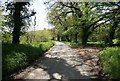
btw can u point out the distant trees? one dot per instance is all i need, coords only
(37, 36)
(112, 14)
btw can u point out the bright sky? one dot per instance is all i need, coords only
(41, 19)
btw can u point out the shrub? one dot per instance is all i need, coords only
(45, 45)
(116, 41)
(15, 60)
(16, 57)
(110, 60)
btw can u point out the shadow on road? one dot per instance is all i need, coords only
(61, 67)
(60, 63)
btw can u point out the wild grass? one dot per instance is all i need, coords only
(91, 44)
(73, 44)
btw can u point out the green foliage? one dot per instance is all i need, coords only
(36, 36)
(116, 41)
(95, 43)
(91, 44)
(117, 34)
(15, 60)
(46, 45)
(72, 44)
(43, 35)
(110, 60)
(16, 57)
(6, 37)
(15, 21)
(84, 21)
(100, 33)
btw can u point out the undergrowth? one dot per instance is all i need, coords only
(15, 57)
(110, 60)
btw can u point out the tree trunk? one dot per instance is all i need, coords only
(62, 38)
(84, 40)
(17, 23)
(84, 37)
(16, 35)
(76, 35)
(71, 38)
(58, 38)
(67, 37)
(111, 34)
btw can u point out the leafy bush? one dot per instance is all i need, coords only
(46, 45)
(15, 60)
(42, 45)
(116, 41)
(16, 57)
(6, 37)
(110, 60)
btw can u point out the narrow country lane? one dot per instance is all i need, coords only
(61, 62)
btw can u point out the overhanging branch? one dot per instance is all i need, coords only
(69, 6)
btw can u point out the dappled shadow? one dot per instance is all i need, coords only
(60, 66)
(90, 57)
(61, 63)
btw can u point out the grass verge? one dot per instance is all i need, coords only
(89, 44)
(16, 57)
(72, 44)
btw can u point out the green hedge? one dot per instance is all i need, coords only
(110, 60)
(16, 57)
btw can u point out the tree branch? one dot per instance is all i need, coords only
(95, 22)
(69, 6)
(32, 14)
(113, 3)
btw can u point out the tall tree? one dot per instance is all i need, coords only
(18, 13)
(87, 17)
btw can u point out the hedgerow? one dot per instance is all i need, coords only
(110, 60)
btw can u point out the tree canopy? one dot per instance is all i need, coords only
(82, 18)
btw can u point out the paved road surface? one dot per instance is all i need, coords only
(62, 63)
